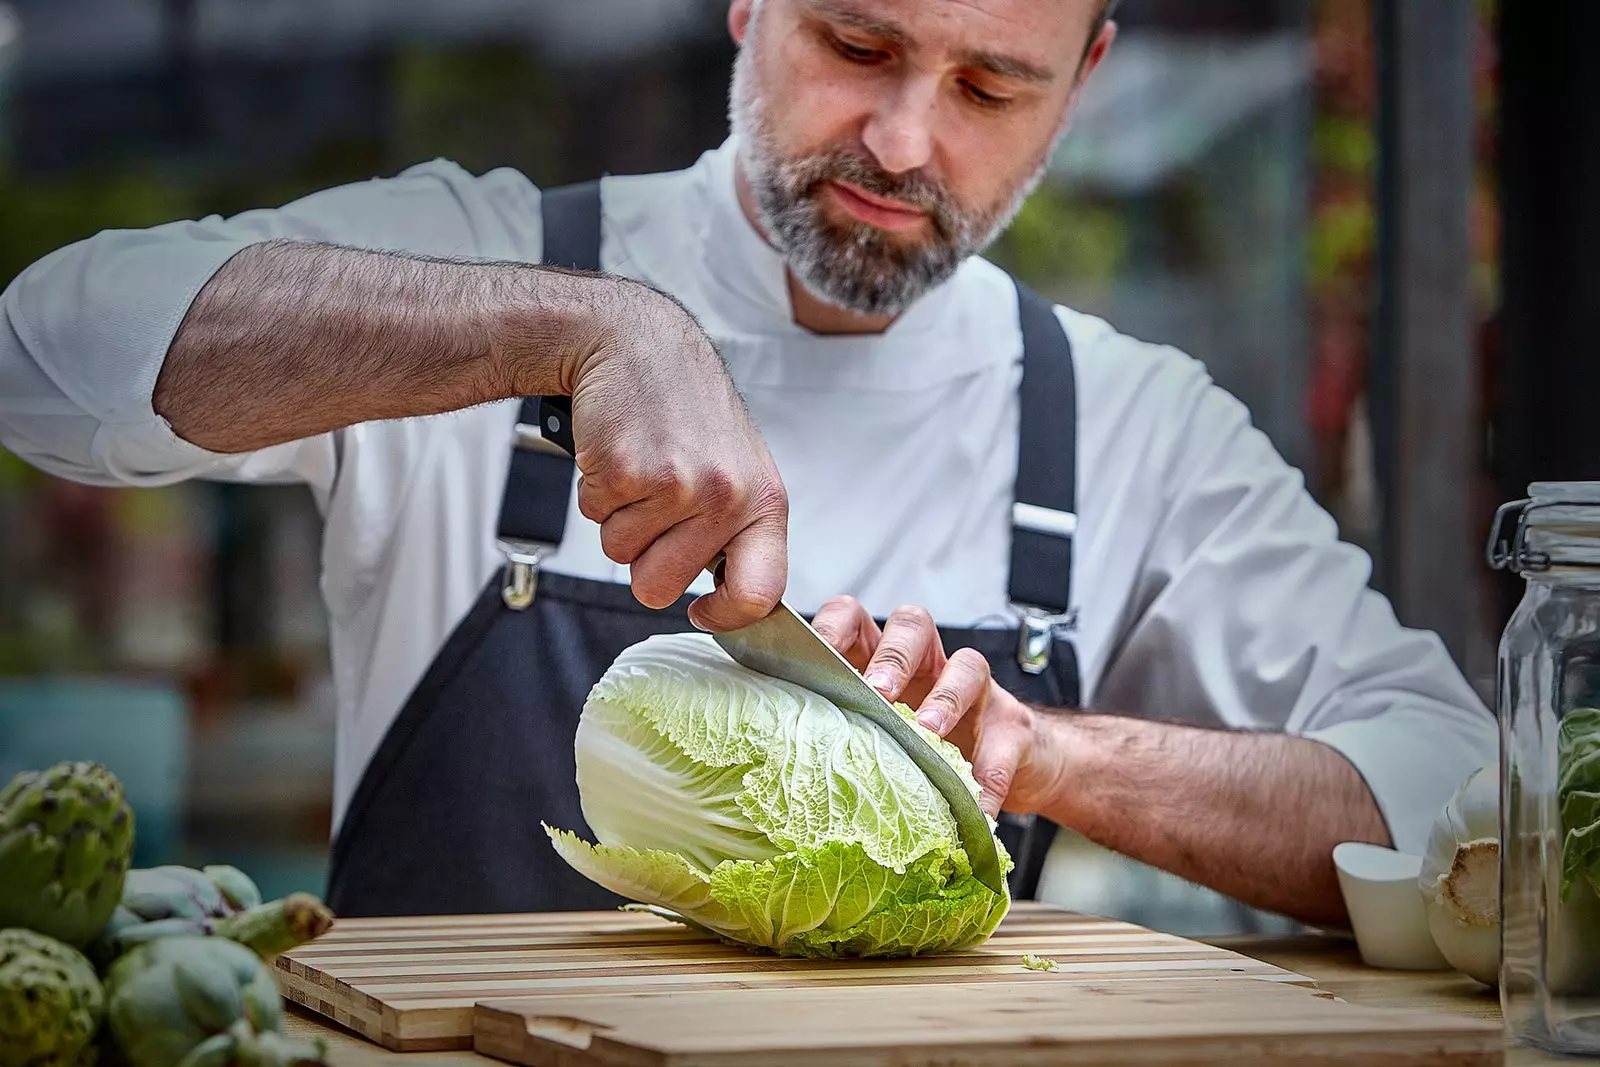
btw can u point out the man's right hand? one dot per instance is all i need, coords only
(673, 468)
(291, 339)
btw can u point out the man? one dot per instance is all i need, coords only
(1046, 515)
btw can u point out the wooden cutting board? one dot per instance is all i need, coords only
(1211, 1022)
(411, 983)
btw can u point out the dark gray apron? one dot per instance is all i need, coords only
(446, 816)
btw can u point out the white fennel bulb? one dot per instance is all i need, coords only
(1460, 878)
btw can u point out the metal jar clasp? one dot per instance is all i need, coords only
(1509, 551)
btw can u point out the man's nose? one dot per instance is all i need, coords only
(899, 132)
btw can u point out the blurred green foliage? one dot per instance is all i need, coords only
(1344, 145)
(1340, 241)
(1061, 237)
(477, 106)
(39, 215)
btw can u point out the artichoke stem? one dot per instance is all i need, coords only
(277, 926)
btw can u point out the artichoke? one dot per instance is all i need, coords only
(66, 841)
(173, 892)
(51, 1002)
(237, 888)
(266, 929)
(155, 894)
(200, 1002)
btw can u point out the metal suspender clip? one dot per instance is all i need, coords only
(1036, 633)
(1037, 625)
(524, 556)
(522, 571)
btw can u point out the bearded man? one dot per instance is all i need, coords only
(1066, 548)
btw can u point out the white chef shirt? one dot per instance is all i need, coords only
(1209, 586)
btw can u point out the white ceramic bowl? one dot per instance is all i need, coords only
(1385, 905)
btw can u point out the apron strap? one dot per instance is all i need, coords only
(533, 509)
(1043, 522)
(1044, 510)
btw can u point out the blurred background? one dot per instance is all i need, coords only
(1305, 194)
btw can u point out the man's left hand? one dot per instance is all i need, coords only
(954, 696)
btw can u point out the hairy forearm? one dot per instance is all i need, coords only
(291, 339)
(1253, 816)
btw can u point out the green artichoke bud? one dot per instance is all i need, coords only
(173, 892)
(66, 841)
(237, 888)
(51, 1002)
(184, 1001)
(266, 929)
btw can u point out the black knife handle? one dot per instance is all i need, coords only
(555, 421)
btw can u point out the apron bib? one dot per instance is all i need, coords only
(446, 818)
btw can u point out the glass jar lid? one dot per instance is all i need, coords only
(1557, 525)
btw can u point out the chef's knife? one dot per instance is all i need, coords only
(783, 645)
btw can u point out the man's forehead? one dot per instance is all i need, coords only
(1029, 35)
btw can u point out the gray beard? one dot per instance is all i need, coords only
(854, 266)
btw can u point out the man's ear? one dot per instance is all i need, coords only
(1098, 50)
(739, 19)
(1091, 60)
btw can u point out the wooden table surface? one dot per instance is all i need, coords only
(1333, 963)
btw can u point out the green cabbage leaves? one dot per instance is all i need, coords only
(762, 812)
(1578, 792)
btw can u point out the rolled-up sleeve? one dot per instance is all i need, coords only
(1250, 611)
(85, 329)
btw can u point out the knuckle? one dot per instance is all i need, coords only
(624, 469)
(651, 593)
(943, 696)
(839, 607)
(663, 478)
(1013, 711)
(769, 498)
(894, 656)
(912, 615)
(619, 544)
(749, 601)
(996, 780)
(716, 489)
(971, 663)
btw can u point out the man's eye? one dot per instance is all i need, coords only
(855, 52)
(984, 99)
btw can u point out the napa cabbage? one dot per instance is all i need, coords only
(759, 811)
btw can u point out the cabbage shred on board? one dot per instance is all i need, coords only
(762, 812)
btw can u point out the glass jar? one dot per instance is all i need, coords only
(1549, 711)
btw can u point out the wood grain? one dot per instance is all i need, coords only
(1332, 961)
(1204, 1023)
(411, 983)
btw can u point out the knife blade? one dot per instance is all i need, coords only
(783, 645)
